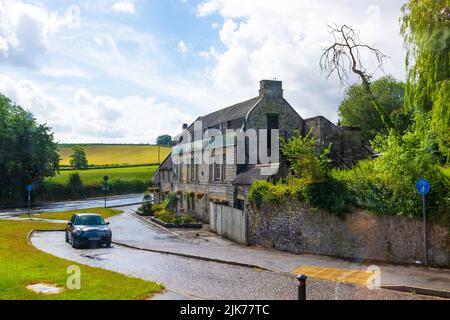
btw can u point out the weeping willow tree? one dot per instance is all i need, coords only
(426, 31)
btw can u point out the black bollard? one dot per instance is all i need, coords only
(302, 287)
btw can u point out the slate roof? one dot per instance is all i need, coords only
(233, 112)
(167, 163)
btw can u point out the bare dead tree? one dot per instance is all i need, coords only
(344, 57)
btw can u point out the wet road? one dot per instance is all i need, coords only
(198, 279)
(113, 201)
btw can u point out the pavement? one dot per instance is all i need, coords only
(136, 231)
(112, 201)
(196, 265)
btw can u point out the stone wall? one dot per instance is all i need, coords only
(295, 227)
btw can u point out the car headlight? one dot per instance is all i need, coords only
(78, 232)
(108, 232)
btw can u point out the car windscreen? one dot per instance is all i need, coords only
(89, 221)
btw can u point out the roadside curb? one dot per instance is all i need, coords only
(419, 290)
(30, 234)
(126, 205)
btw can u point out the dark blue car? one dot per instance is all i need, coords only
(88, 229)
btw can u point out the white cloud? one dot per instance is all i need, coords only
(24, 31)
(211, 53)
(284, 40)
(208, 7)
(124, 7)
(85, 117)
(182, 47)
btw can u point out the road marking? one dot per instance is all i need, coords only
(356, 276)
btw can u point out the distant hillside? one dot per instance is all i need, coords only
(107, 154)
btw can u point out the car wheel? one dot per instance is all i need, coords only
(75, 245)
(108, 244)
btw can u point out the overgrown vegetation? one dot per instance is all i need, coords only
(385, 185)
(310, 180)
(415, 146)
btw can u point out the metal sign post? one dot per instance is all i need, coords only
(29, 189)
(105, 187)
(423, 187)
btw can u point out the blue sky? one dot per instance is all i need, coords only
(126, 71)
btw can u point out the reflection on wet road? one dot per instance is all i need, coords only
(114, 201)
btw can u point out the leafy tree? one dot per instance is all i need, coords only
(78, 159)
(357, 110)
(164, 140)
(76, 186)
(426, 31)
(28, 152)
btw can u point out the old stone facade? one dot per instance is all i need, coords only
(293, 226)
(224, 180)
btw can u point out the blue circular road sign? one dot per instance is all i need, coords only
(29, 188)
(423, 186)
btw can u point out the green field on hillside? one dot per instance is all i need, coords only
(101, 155)
(95, 176)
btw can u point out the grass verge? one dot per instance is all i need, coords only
(22, 264)
(66, 215)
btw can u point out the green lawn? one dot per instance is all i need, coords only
(95, 176)
(100, 155)
(22, 264)
(66, 215)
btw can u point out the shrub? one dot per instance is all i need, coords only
(171, 200)
(304, 162)
(168, 216)
(330, 195)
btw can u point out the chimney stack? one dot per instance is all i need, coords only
(271, 88)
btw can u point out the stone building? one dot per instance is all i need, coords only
(225, 180)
